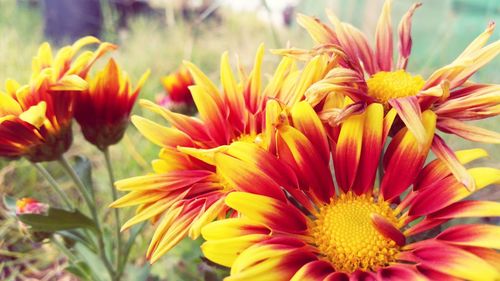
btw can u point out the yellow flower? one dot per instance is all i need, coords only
(370, 75)
(186, 190)
(294, 223)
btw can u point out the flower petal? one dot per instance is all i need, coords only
(384, 44)
(306, 121)
(478, 235)
(468, 132)
(243, 177)
(159, 134)
(405, 157)
(455, 262)
(405, 42)
(275, 214)
(445, 153)
(313, 271)
(467, 209)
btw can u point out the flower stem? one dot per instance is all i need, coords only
(119, 246)
(41, 169)
(90, 201)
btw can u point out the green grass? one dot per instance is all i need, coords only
(440, 33)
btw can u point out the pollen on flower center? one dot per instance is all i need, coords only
(384, 86)
(343, 232)
(250, 138)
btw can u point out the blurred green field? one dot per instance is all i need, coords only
(441, 29)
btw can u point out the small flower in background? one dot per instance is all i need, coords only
(103, 110)
(178, 96)
(35, 119)
(30, 206)
(186, 190)
(370, 75)
(358, 230)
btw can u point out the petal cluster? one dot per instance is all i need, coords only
(103, 109)
(35, 119)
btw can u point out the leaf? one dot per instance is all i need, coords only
(76, 236)
(83, 169)
(93, 261)
(80, 269)
(57, 219)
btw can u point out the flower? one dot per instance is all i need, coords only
(370, 75)
(103, 110)
(35, 119)
(177, 85)
(30, 206)
(186, 191)
(357, 231)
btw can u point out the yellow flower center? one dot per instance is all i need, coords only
(344, 233)
(384, 86)
(250, 138)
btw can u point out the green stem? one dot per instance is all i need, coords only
(117, 213)
(54, 185)
(133, 235)
(90, 201)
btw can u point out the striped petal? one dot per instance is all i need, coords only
(275, 259)
(159, 134)
(189, 125)
(443, 152)
(348, 151)
(467, 209)
(383, 35)
(234, 99)
(252, 93)
(212, 115)
(400, 273)
(372, 147)
(269, 211)
(313, 271)
(437, 170)
(314, 174)
(261, 160)
(468, 132)
(408, 110)
(405, 42)
(455, 262)
(232, 227)
(243, 177)
(448, 191)
(405, 157)
(477, 235)
(225, 251)
(318, 31)
(387, 229)
(306, 121)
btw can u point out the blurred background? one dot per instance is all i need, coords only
(158, 35)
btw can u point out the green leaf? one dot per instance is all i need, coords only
(97, 268)
(57, 219)
(80, 269)
(83, 169)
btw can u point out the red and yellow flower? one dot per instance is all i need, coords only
(30, 206)
(35, 119)
(186, 190)
(103, 110)
(177, 85)
(359, 230)
(369, 74)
